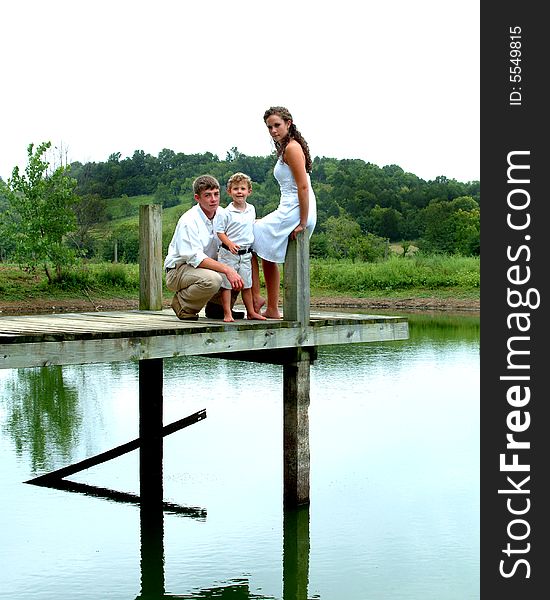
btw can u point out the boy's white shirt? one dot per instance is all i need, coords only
(238, 225)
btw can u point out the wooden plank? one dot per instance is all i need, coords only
(117, 321)
(272, 357)
(47, 479)
(202, 340)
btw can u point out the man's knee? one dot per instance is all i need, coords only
(213, 281)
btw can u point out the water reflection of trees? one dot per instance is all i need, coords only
(43, 417)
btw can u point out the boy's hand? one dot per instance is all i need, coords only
(232, 247)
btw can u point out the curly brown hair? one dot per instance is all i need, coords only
(293, 134)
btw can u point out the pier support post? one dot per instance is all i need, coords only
(296, 383)
(150, 428)
(150, 257)
(150, 473)
(296, 378)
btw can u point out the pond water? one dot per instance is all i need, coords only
(394, 435)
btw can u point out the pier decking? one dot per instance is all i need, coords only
(93, 337)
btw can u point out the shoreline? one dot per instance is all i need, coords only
(35, 306)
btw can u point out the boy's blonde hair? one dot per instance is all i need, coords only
(238, 178)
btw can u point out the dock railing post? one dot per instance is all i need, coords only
(296, 280)
(296, 376)
(150, 257)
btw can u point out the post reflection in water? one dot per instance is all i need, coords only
(296, 553)
(296, 546)
(151, 518)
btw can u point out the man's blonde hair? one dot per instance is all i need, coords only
(238, 178)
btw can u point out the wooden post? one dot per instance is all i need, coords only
(296, 383)
(296, 280)
(150, 477)
(150, 257)
(150, 428)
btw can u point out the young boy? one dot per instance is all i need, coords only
(235, 230)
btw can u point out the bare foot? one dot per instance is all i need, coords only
(272, 314)
(258, 303)
(255, 315)
(228, 318)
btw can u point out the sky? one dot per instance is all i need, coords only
(385, 81)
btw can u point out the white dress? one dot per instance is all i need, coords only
(272, 231)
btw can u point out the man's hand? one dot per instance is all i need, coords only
(236, 281)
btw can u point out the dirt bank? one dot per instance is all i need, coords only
(401, 304)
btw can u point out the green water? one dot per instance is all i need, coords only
(394, 434)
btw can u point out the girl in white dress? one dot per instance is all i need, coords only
(296, 211)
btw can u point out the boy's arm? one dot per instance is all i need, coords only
(225, 240)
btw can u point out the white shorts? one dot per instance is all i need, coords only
(240, 262)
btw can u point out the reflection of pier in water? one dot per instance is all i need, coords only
(149, 336)
(295, 552)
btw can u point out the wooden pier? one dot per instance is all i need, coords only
(150, 335)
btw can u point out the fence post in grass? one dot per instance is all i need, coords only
(150, 257)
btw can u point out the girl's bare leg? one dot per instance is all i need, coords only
(257, 299)
(248, 302)
(272, 283)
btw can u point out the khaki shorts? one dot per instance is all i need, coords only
(240, 262)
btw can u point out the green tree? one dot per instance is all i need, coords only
(340, 232)
(466, 228)
(451, 227)
(385, 222)
(90, 210)
(344, 239)
(40, 216)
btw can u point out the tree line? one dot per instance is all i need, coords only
(361, 206)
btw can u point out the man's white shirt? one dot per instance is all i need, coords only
(194, 238)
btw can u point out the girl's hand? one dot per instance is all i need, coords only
(297, 230)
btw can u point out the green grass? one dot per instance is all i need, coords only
(417, 276)
(105, 279)
(398, 277)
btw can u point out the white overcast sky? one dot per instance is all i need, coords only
(387, 81)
